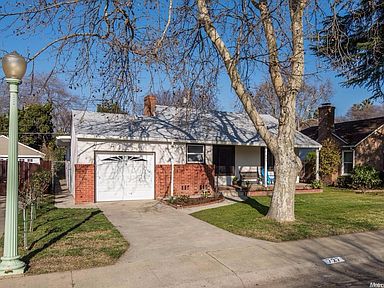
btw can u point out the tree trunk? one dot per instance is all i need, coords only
(31, 216)
(282, 147)
(287, 164)
(25, 228)
(282, 207)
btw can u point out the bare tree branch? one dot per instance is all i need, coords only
(163, 34)
(270, 35)
(234, 74)
(33, 10)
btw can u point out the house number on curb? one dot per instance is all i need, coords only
(333, 260)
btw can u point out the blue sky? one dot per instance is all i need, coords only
(343, 98)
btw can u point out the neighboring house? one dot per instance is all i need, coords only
(361, 142)
(26, 153)
(167, 151)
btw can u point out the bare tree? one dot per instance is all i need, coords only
(101, 43)
(41, 88)
(286, 87)
(364, 110)
(190, 43)
(187, 98)
(308, 99)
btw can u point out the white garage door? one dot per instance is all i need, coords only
(128, 176)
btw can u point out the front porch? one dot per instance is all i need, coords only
(251, 164)
(261, 190)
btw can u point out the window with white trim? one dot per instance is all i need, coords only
(347, 162)
(195, 153)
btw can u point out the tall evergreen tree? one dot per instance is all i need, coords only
(35, 125)
(36, 119)
(353, 42)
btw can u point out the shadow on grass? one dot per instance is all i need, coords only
(44, 210)
(262, 209)
(26, 258)
(45, 206)
(51, 220)
(41, 238)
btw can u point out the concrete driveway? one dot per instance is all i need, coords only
(156, 231)
(172, 249)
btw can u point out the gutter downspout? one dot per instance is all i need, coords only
(172, 173)
(265, 167)
(172, 169)
(317, 164)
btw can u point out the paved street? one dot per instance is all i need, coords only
(172, 249)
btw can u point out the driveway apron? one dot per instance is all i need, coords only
(155, 231)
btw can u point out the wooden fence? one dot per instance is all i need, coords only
(26, 169)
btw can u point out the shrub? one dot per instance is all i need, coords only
(172, 199)
(180, 199)
(183, 198)
(309, 167)
(365, 177)
(316, 184)
(310, 157)
(41, 179)
(31, 193)
(344, 181)
(206, 193)
(330, 158)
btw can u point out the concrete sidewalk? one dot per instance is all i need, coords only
(172, 249)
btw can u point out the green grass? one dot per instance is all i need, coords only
(333, 212)
(70, 239)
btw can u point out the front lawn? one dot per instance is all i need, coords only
(333, 212)
(70, 239)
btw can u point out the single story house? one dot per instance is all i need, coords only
(361, 142)
(166, 151)
(26, 153)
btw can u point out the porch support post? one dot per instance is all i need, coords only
(317, 164)
(265, 166)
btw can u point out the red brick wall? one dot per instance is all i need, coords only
(84, 183)
(371, 150)
(326, 122)
(188, 179)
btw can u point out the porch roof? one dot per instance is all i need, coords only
(179, 125)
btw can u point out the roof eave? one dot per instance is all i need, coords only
(63, 140)
(156, 140)
(28, 147)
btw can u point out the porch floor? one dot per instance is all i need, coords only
(261, 190)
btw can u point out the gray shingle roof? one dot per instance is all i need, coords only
(351, 132)
(178, 124)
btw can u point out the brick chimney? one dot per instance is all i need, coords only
(326, 121)
(149, 105)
